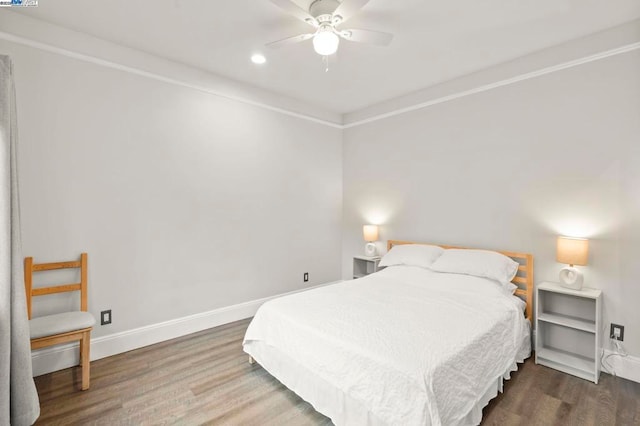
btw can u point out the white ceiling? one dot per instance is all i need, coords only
(435, 40)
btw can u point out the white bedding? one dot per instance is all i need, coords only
(407, 345)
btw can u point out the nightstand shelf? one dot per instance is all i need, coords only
(364, 265)
(568, 330)
(567, 362)
(569, 321)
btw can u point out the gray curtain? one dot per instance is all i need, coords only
(19, 403)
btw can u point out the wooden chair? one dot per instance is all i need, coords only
(65, 327)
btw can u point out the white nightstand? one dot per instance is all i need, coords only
(364, 265)
(569, 329)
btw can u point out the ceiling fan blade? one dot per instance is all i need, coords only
(295, 10)
(289, 40)
(367, 36)
(347, 9)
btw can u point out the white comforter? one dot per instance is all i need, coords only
(415, 347)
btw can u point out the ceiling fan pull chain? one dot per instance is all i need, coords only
(325, 59)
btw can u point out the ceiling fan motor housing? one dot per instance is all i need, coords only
(321, 8)
(325, 16)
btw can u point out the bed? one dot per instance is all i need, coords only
(406, 345)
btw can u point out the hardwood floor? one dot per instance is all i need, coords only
(204, 378)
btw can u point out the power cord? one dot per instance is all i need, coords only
(619, 351)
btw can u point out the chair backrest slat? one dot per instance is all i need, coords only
(41, 291)
(56, 265)
(30, 268)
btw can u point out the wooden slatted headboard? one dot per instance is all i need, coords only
(523, 279)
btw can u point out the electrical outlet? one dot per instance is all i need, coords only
(305, 277)
(105, 317)
(617, 332)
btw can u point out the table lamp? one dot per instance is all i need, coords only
(572, 251)
(370, 233)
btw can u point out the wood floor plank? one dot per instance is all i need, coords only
(627, 407)
(500, 417)
(205, 378)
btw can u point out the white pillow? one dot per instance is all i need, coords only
(412, 254)
(480, 263)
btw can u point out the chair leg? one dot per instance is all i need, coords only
(81, 346)
(85, 363)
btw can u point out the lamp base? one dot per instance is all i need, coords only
(370, 250)
(571, 277)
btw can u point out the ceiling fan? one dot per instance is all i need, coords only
(325, 16)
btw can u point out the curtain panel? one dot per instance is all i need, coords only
(19, 404)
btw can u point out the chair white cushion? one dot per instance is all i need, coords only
(60, 323)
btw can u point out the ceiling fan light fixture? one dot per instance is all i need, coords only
(326, 42)
(325, 16)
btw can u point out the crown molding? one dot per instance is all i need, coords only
(137, 71)
(506, 82)
(158, 77)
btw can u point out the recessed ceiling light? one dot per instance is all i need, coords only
(258, 59)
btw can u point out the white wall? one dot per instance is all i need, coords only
(185, 201)
(188, 202)
(511, 168)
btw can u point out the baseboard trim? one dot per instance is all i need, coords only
(64, 356)
(627, 367)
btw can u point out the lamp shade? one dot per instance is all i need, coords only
(370, 232)
(572, 251)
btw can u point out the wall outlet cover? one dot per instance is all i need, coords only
(105, 317)
(617, 332)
